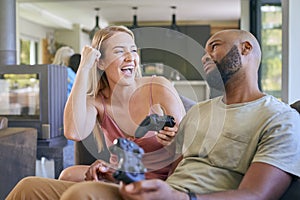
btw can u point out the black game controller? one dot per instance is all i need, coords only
(131, 168)
(154, 122)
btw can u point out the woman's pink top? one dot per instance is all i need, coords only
(156, 159)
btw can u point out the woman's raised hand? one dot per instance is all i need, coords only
(89, 56)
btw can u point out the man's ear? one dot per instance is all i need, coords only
(246, 48)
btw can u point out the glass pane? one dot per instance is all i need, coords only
(271, 49)
(25, 52)
(28, 52)
(19, 95)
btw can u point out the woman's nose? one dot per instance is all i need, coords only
(129, 56)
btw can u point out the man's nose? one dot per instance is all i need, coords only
(205, 58)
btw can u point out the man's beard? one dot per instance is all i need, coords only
(214, 80)
(225, 69)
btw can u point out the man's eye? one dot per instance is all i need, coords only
(214, 46)
(134, 50)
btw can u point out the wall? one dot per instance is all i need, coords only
(214, 25)
(245, 15)
(74, 38)
(172, 49)
(290, 52)
(32, 31)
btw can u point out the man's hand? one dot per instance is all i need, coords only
(100, 171)
(150, 189)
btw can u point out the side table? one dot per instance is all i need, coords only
(52, 149)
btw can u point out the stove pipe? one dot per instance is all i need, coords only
(8, 32)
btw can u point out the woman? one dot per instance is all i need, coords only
(62, 57)
(110, 91)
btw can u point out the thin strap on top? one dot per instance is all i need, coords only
(103, 103)
(151, 98)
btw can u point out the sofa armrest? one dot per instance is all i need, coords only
(18, 156)
(293, 191)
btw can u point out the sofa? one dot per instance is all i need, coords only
(87, 156)
(293, 191)
(17, 155)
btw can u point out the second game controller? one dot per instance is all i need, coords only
(154, 122)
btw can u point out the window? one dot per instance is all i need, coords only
(265, 24)
(271, 44)
(28, 52)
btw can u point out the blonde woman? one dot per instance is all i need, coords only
(110, 91)
(62, 57)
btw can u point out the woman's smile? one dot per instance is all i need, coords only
(127, 70)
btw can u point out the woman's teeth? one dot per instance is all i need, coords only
(127, 70)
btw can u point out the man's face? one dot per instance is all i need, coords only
(230, 64)
(219, 63)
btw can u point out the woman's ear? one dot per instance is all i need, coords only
(246, 48)
(101, 64)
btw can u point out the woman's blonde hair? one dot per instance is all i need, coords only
(98, 80)
(62, 56)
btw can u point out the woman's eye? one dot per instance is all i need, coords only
(134, 50)
(119, 51)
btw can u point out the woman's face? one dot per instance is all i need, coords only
(120, 58)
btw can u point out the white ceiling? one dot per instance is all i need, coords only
(64, 13)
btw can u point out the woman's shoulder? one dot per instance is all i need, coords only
(95, 101)
(155, 80)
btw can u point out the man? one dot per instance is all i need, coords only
(242, 145)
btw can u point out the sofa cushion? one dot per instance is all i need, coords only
(187, 103)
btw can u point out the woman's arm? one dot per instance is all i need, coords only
(80, 112)
(165, 95)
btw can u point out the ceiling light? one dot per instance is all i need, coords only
(134, 22)
(174, 25)
(96, 28)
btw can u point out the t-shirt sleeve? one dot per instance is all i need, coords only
(280, 143)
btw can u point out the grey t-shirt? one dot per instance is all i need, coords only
(219, 142)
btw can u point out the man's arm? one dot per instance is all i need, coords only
(262, 181)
